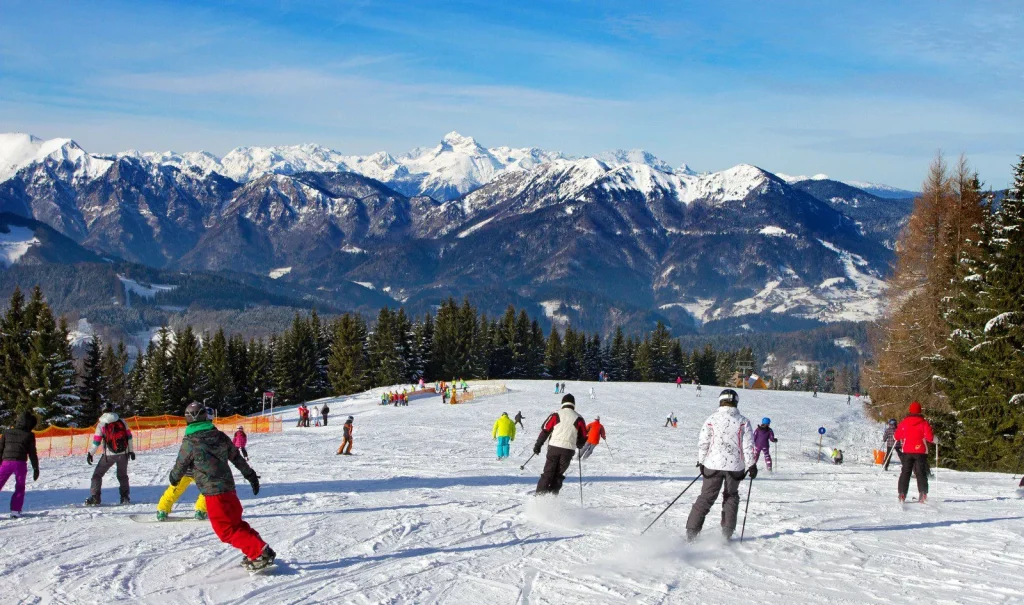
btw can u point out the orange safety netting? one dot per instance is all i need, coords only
(148, 433)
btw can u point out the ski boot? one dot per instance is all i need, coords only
(92, 501)
(201, 515)
(903, 498)
(265, 560)
(161, 515)
(922, 498)
(125, 499)
(15, 514)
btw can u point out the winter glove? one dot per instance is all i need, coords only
(536, 450)
(131, 456)
(701, 467)
(35, 474)
(775, 440)
(254, 481)
(752, 471)
(88, 458)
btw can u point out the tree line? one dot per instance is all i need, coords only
(953, 335)
(315, 358)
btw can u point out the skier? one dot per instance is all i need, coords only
(240, 440)
(592, 395)
(675, 421)
(668, 420)
(914, 433)
(815, 392)
(519, 418)
(563, 387)
(206, 452)
(837, 456)
(346, 441)
(17, 449)
(173, 493)
(889, 443)
(116, 438)
(324, 411)
(763, 435)
(699, 393)
(725, 453)
(504, 432)
(557, 387)
(567, 432)
(595, 433)
(679, 382)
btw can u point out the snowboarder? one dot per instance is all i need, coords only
(595, 433)
(173, 493)
(17, 449)
(914, 433)
(504, 432)
(567, 432)
(725, 454)
(346, 441)
(239, 441)
(519, 419)
(324, 411)
(763, 436)
(889, 443)
(206, 452)
(116, 438)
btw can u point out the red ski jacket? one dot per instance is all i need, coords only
(915, 433)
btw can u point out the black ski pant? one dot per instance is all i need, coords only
(102, 466)
(712, 485)
(914, 464)
(325, 419)
(557, 463)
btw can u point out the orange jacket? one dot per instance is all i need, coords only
(595, 432)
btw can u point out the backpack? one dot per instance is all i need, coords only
(115, 437)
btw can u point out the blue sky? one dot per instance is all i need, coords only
(858, 90)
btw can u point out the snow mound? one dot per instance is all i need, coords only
(15, 243)
(279, 273)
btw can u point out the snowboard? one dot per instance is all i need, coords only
(151, 518)
(269, 569)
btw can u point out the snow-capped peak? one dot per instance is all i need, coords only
(789, 178)
(620, 157)
(18, 150)
(455, 140)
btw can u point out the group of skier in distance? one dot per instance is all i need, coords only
(206, 455)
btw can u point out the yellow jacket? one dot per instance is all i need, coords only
(504, 427)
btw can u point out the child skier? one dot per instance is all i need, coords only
(504, 432)
(206, 452)
(889, 443)
(239, 441)
(763, 437)
(346, 441)
(17, 448)
(116, 438)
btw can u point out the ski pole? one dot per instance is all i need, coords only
(523, 467)
(670, 504)
(745, 509)
(579, 462)
(609, 449)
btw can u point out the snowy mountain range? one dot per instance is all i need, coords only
(589, 240)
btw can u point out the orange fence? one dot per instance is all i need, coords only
(148, 433)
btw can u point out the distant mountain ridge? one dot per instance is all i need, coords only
(596, 241)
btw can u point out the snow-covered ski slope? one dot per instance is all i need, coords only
(424, 513)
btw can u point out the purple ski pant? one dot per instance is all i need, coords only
(767, 455)
(19, 469)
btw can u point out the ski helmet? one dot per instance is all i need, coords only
(108, 408)
(196, 412)
(729, 397)
(892, 422)
(569, 401)
(766, 421)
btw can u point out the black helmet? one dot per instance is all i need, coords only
(892, 421)
(569, 401)
(729, 397)
(196, 412)
(107, 408)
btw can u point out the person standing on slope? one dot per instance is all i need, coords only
(116, 438)
(595, 433)
(504, 432)
(889, 442)
(519, 419)
(17, 449)
(725, 454)
(679, 382)
(567, 432)
(763, 437)
(205, 452)
(239, 441)
(346, 440)
(668, 420)
(914, 433)
(324, 411)
(592, 394)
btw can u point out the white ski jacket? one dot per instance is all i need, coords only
(726, 441)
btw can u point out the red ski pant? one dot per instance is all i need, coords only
(225, 513)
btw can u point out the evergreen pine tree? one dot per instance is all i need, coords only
(95, 390)
(554, 359)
